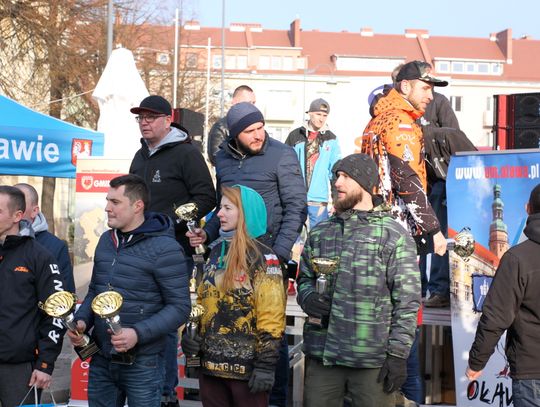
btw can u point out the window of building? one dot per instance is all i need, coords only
(496, 68)
(300, 63)
(470, 67)
(216, 61)
(288, 64)
(275, 62)
(241, 62)
(191, 60)
(264, 62)
(442, 66)
(483, 68)
(457, 67)
(456, 102)
(230, 62)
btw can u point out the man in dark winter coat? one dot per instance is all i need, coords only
(57, 247)
(173, 168)
(512, 305)
(176, 173)
(139, 259)
(30, 341)
(253, 159)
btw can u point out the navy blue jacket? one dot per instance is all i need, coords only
(148, 268)
(59, 250)
(275, 174)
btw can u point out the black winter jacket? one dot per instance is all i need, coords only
(176, 174)
(148, 268)
(513, 304)
(217, 135)
(275, 174)
(28, 274)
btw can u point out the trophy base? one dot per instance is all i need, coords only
(122, 358)
(318, 322)
(193, 361)
(84, 352)
(198, 258)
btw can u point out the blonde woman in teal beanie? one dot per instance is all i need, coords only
(244, 300)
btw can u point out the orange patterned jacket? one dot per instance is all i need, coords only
(395, 142)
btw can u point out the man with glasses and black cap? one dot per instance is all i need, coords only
(395, 141)
(176, 173)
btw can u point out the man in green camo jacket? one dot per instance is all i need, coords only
(370, 306)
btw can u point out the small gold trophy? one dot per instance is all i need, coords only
(188, 213)
(463, 244)
(60, 305)
(192, 328)
(323, 267)
(107, 305)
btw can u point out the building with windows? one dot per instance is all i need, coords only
(289, 68)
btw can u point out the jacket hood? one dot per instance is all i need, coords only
(25, 229)
(254, 211)
(155, 223)
(394, 101)
(532, 230)
(40, 223)
(174, 136)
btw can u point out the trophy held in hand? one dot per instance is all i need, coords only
(188, 213)
(107, 305)
(324, 267)
(192, 328)
(462, 244)
(61, 305)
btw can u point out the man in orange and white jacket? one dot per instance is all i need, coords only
(396, 144)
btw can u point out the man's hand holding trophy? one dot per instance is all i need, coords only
(318, 304)
(61, 305)
(107, 305)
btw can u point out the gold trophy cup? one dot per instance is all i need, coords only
(188, 213)
(107, 305)
(192, 328)
(61, 305)
(462, 244)
(323, 267)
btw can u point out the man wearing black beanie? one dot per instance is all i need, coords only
(368, 314)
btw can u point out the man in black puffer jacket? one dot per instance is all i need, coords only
(512, 305)
(140, 259)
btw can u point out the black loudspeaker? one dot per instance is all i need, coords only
(192, 121)
(527, 138)
(526, 110)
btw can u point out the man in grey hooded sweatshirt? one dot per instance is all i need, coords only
(176, 173)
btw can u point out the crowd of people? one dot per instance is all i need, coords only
(369, 216)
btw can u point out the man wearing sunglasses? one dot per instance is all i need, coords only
(176, 173)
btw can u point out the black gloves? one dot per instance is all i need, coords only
(191, 346)
(261, 380)
(393, 373)
(317, 305)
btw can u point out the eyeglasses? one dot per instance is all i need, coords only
(150, 118)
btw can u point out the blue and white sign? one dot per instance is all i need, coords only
(32, 143)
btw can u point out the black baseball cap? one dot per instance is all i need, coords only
(419, 70)
(153, 104)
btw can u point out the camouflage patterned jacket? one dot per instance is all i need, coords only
(375, 291)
